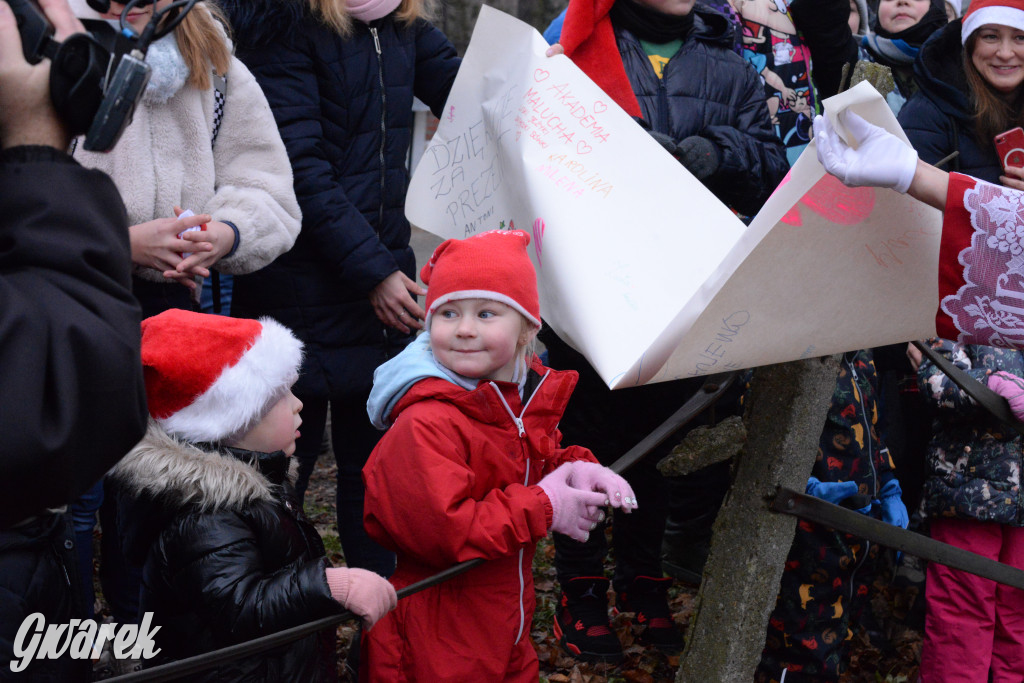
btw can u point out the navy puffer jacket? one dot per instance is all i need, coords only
(707, 89)
(938, 118)
(344, 108)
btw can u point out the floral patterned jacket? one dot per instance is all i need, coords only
(973, 460)
(850, 447)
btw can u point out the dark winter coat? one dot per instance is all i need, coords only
(39, 574)
(454, 479)
(707, 89)
(71, 384)
(974, 461)
(938, 119)
(851, 448)
(344, 108)
(227, 557)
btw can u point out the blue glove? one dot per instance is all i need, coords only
(833, 492)
(893, 510)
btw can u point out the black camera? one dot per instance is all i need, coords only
(96, 78)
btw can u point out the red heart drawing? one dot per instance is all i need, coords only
(540, 75)
(538, 238)
(835, 202)
(838, 203)
(583, 147)
(600, 107)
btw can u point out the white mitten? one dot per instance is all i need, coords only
(880, 160)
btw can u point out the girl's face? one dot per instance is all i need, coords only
(854, 18)
(140, 14)
(679, 8)
(951, 14)
(478, 338)
(999, 56)
(899, 15)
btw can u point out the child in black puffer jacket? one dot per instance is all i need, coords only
(227, 556)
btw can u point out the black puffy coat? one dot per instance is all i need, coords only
(707, 89)
(938, 119)
(344, 108)
(227, 557)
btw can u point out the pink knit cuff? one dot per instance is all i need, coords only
(337, 581)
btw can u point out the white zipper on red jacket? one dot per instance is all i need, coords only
(526, 482)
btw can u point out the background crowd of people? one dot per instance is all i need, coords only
(271, 144)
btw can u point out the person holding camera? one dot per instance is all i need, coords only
(73, 399)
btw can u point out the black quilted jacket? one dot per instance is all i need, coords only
(707, 89)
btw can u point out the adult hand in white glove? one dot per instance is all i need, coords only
(880, 160)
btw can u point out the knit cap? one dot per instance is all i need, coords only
(209, 377)
(492, 265)
(1001, 12)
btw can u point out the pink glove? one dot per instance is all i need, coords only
(369, 595)
(574, 512)
(1010, 387)
(590, 476)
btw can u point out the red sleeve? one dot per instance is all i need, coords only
(420, 499)
(956, 236)
(981, 271)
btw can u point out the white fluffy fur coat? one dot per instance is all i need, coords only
(164, 159)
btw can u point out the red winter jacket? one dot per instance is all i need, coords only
(453, 480)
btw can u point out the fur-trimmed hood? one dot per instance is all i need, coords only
(177, 475)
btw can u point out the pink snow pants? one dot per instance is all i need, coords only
(974, 624)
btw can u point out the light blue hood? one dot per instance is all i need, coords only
(395, 377)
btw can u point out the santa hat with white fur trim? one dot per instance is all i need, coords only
(1001, 12)
(209, 377)
(492, 265)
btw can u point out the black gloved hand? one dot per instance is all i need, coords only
(699, 155)
(666, 141)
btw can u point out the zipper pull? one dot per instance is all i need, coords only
(376, 41)
(519, 426)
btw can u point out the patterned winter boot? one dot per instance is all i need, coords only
(647, 598)
(581, 622)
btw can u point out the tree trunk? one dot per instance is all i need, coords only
(786, 413)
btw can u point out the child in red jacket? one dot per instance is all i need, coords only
(471, 468)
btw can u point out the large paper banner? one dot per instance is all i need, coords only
(640, 267)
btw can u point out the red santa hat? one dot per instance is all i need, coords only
(209, 377)
(492, 265)
(1001, 12)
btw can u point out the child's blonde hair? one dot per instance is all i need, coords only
(334, 14)
(203, 41)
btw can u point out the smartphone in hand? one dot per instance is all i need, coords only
(1010, 147)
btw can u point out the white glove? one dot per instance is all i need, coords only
(880, 160)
